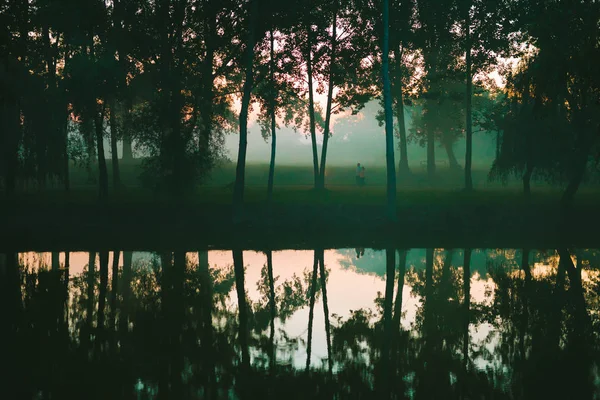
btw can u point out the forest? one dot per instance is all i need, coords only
(173, 77)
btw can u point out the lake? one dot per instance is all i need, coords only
(354, 323)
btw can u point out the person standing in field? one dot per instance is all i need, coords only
(362, 176)
(358, 174)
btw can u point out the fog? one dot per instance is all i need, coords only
(354, 139)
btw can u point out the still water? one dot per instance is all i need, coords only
(331, 324)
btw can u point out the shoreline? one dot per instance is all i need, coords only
(71, 227)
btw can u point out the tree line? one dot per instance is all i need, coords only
(172, 74)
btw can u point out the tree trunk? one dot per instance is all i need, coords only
(67, 268)
(91, 283)
(55, 261)
(238, 262)
(273, 309)
(311, 101)
(119, 18)
(466, 320)
(452, 161)
(525, 298)
(388, 333)
(331, 83)
(325, 309)
(469, 123)
(178, 314)
(113, 144)
(207, 341)
(273, 122)
(240, 172)
(207, 95)
(498, 144)
(311, 309)
(125, 292)
(389, 124)
(430, 154)
(398, 309)
(102, 172)
(102, 299)
(113, 294)
(566, 200)
(403, 168)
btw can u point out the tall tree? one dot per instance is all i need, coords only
(389, 125)
(240, 172)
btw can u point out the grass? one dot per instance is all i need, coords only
(293, 185)
(443, 215)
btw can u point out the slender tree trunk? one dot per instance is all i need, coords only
(469, 123)
(311, 309)
(178, 312)
(127, 102)
(498, 144)
(67, 267)
(389, 124)
(102, 299)
(125, 292)
(113, 144)
(207, 95)
(114, 293)
(525, 296)
(326, 131)
(403, 168)
(55, 261)
(126, 134)
(398, 309)
(91, 283)
(238, 192)
(102, 172)
(388, 333)
(206, 293)
(430, 154)
(466, 321)
(238, 262)
(273, 309)
(311, 100)
(325, 310)
(273, 122)
(165, 329)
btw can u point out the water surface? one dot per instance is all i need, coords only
(342, 323)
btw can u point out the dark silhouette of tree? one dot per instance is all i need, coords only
(238, 192)
(313, 293)
(389, 124)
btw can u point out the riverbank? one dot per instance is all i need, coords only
(299, 218)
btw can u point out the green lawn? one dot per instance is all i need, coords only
(293, 185)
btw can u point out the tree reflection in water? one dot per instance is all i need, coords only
(173, 327)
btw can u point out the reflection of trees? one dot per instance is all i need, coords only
(174, 333)
(544, 347)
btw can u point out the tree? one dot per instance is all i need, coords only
(389, 125)
(238, 192)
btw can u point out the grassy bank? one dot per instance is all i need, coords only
(343, 216)
(302, 175)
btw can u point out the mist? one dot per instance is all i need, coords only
(354, 139)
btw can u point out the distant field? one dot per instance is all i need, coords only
(288, 175)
